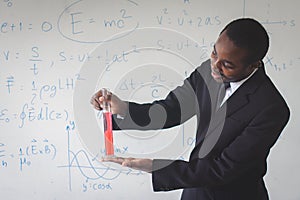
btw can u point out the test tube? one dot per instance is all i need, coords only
(107, 125)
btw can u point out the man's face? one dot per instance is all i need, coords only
(227, 61)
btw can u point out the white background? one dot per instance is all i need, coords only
(55, 54)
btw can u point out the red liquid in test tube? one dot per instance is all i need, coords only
(108, 134)
(107, 125)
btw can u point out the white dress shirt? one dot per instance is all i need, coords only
(234, 86)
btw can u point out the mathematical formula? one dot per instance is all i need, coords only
(24, 155)
(41, 59)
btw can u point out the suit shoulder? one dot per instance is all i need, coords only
(273, 96)
(201, 72)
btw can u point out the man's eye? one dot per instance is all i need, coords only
(228, 66)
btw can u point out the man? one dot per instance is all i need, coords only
(234, 135)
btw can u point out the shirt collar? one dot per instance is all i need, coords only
(235, 85)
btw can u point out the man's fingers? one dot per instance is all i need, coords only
(118, 160)
(134, 163)
(96, 101)
(126, 162)
(129, 162)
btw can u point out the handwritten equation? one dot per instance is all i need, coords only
(41, 61)
(25, 154)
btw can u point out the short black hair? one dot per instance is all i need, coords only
(250, 35)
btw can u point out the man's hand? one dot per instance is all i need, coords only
(117, 105)
(142, 164)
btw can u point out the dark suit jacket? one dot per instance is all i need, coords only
(232, 143)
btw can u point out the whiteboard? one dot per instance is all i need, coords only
(55, 54)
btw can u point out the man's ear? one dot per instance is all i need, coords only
(256, 65)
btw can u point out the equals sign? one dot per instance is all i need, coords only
(30, 27)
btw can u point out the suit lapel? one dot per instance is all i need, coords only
(241, 97)
(237, 101)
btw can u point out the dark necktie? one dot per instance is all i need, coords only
(221, 93)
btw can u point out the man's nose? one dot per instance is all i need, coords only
(217, 65)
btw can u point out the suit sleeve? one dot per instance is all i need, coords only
(245, 152)
(176, 108)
